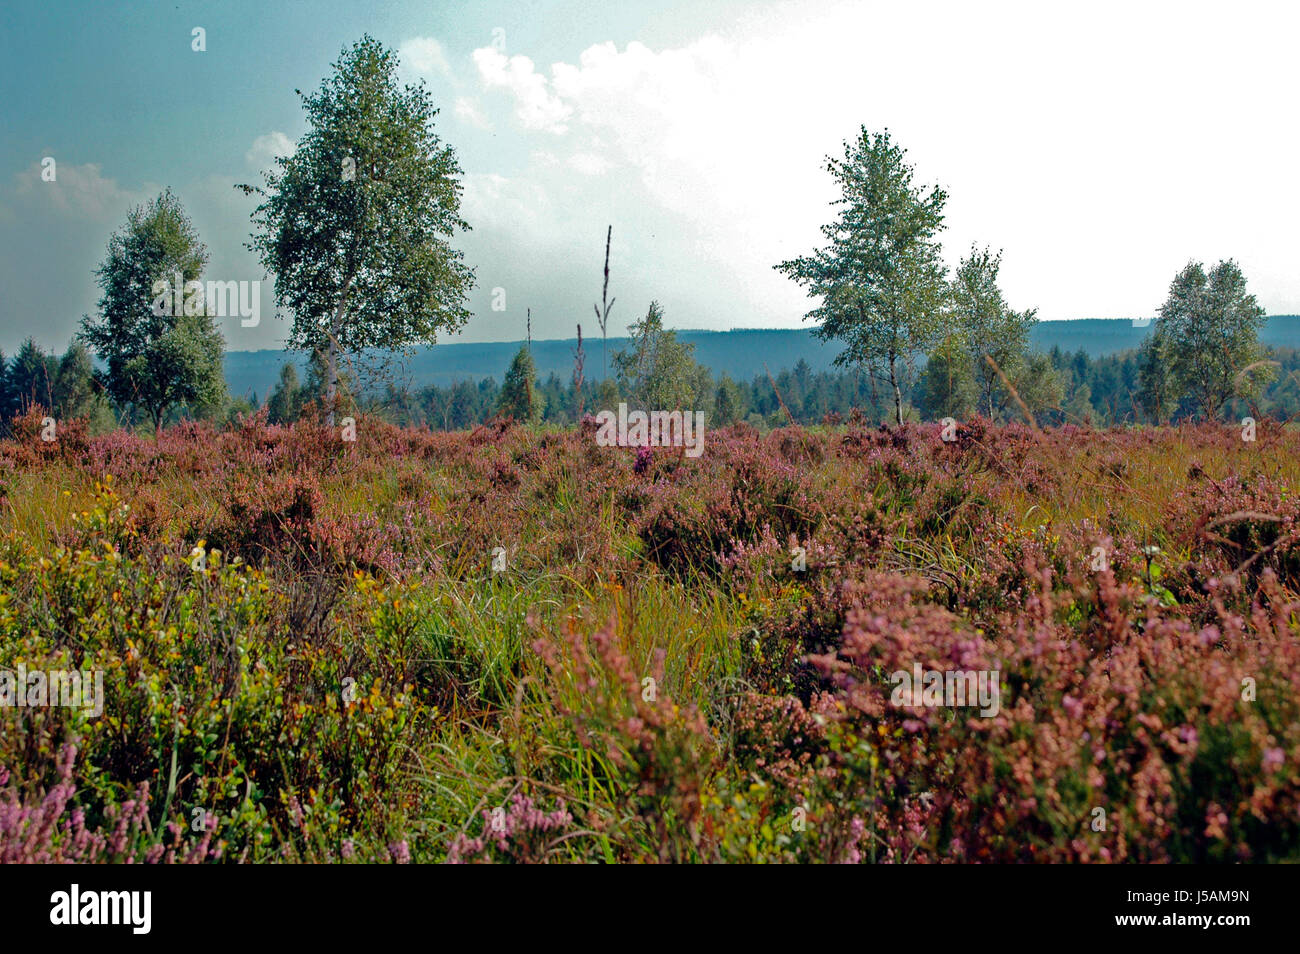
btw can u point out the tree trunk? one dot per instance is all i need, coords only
(331, 380)
(898, 394)
(332, 364)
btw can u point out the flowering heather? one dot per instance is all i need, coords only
(524, 833)
(53, 831)
(516, 645)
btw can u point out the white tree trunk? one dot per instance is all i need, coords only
(898, 394)
(332, 364)
(332, 380)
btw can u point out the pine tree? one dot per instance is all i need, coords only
(946, 387)
(6, 396)
(285, 403)
(519, 397)
(31, 377)
(74, 384)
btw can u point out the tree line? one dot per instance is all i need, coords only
(1101, 392)
(885, 295)
(357, 228)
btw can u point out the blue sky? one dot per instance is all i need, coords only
(1100, 151)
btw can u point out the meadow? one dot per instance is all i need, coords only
(513, 644)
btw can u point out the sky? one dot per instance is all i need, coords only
(1100, 147)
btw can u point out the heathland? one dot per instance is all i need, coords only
(514, 644)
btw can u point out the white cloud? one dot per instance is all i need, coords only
(424, 56)
(1066, 143)
(536, 106)
(77, 190)
(268, 147)
(696, 126)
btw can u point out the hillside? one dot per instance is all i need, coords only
(740, 353)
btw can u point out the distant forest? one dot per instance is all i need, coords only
(740, 353)
(1102, 391)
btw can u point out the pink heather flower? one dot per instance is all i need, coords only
(52, 831)
(521, 833)
(643, 458)
(852, 853)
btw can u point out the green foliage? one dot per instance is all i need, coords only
(30, 378)
(657, 371)
(607, 395)
(1105, 389)
(1039, 385)
(1078, 409)
(238, 407)
(728, 402)
(946, 387)
(285, 401)
(356, 224)
(211, 696)
(880, 278)
(1157, 392)
(76, 392)
(316, 387)
(1206, 340)
(155, 359)
(519, 397)
(991, 329)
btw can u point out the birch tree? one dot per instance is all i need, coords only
(357, 224)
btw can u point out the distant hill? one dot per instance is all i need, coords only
(740, 353)
(1103, 336)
